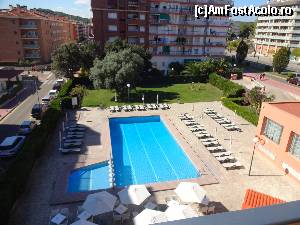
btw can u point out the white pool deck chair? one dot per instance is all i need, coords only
(224, 159)
(220, 154)
(231, 166)
(69, 150)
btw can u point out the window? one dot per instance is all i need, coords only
(142, 28)
(133, 28)
(112, 27)
(142, 16)
(142, 40)
(294, 148)
(273, 131)
(112, 15)
(112, 39)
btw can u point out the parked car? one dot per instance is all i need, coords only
(53, 93)
(47, 99)
(294, 80)
(38, 111)
(11, 145)
(27, 126)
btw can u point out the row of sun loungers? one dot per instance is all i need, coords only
(225, 122)
(211, 143)
(72, 139)
(129, 108)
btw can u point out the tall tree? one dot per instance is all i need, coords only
(116, 70)
(241, 51)
(281, 59)
(247, 29)
(66, 60)
(89, 51)
(115, 46)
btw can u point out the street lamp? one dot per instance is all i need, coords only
(128, 86)
(255, 140)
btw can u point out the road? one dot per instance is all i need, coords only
(10, 124)
(268, 61)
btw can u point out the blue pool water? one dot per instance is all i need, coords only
(89, 178)
(144, 151)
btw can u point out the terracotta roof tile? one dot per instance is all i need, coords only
(254, 199)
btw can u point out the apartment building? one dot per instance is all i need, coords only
(278, 134)
(30, 35)
(168, 28)
(274, 32)
(83, 31)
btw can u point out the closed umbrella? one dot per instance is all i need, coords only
(149, 216)
(99, 203)
(83, 222)
(191, 192)
(178, 212)
(134, 194)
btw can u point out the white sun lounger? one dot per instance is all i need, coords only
(231, 166)
(209, 143)
(203, 136)
(75, 133)
(76, 129)
(73, 137)
(68, 150)
(220, 154)
(154, 106)
(161, 106)
(71, 144)
(142, 107)
(149, 106)
(70, 140)
(208, 139)
(216, 149)
(167, 106)
(194, 130)
(129, 107)
(112, 109)
(201, 133)
(224, 159)
(118, 109)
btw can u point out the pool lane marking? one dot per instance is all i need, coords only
(153, 170)
(127, 150)
(163, 152)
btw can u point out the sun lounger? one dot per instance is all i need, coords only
(75, 133)
(208, 139)
(203, 136)
(190, 123)
(142, 107)
(154, 106)
(68, 150)
(167, 106)
(216, 149)
(112, 109)
(76, 129)
(161, 106)
(209, 143)
(129, 107)
(231, 166)
(118, 109)
(220, 154)
(73, 137)
(149, 106)
(194, 130)
(224, 159)
(73, 140)
(201, 132)
(72, 144)
(74, 126)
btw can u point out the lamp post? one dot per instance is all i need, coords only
(255, 140)
(143, 99)
(128, 86)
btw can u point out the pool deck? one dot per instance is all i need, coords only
(226, 189)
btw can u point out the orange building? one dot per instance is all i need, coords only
(278, 133)
(31, 35)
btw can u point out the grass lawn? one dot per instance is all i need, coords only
(182, 93)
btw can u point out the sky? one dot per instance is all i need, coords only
(82, 7)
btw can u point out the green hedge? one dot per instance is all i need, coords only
(244, 111)
(230, 89)
(14, 180)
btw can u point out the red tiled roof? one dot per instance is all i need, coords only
(254, 199)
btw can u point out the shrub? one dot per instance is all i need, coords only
(229, 88)
(65, 89)
(238, 71)
(246, 112)
(281, 59)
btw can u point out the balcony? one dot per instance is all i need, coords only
(26, 36)
(133, 3)
(28, 26)
(32, 56)
(31, 46)
(171, 10)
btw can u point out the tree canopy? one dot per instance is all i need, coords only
(241, 51)
(281, 59)
(296, 52)
(247, 29)
(116, 70)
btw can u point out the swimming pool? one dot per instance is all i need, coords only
(144, 151)
(89, 178)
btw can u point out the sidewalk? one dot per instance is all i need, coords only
(284, 87)
(11, 104)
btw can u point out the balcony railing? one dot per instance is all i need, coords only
(216, 34)
(26, 36)
(28, 26)
(31, 46)
(32, 56)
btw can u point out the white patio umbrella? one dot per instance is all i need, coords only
(178, 212)
(99, 203)
(134, 194)
(83, 222)
(149, 216)
(191, 192)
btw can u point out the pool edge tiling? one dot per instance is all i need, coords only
(145, 152)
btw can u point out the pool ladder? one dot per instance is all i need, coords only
(111, 173)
